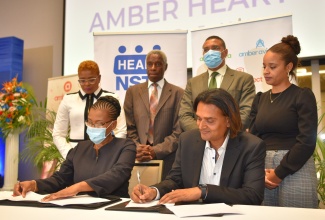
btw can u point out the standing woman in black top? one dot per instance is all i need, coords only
(285, 117)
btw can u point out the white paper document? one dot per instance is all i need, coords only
(77, 200)
(147, 204)
(203, 209)
(31, 196)
(142, 205)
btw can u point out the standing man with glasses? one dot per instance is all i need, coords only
(151, 110)
(239, 84)
(74, 108)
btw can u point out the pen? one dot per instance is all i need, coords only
(139, 182)
(19, 186)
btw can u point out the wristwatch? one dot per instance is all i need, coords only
(204, 190)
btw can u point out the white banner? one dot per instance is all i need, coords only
(57, 87)
(121, 58)
(246, 43)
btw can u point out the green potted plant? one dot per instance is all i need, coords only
(319, 157)
(40, 147)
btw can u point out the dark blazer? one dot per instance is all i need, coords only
(239, 84)
(166, 125)
(107, 173)
(242, 175)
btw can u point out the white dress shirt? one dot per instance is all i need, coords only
(160, 86)
(219, 77)
(211, 168)
(71, 113)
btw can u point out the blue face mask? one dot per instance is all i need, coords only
(212, 58)
(97, 135)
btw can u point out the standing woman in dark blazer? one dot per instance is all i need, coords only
(285, 117)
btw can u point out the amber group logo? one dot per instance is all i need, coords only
(259, 49)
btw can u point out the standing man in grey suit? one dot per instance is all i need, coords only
(162, 144)
(239, 84)
(217, 163)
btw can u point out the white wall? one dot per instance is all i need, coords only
(40, 24)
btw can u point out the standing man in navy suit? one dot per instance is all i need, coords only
(217, 162)
(162, 143)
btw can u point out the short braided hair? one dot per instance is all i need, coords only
(108, 103)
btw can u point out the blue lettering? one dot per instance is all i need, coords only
(137, 79)
(129, 81)
(119, 81)
(115, 22)
(130, 64)
(94, 24)
(262, 51)
(192, 5)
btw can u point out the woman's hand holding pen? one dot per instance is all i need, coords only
(142, 194)
(21, 188)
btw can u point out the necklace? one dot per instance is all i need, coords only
(275, 97)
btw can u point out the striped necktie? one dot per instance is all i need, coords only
(213, 80)
(153, 102)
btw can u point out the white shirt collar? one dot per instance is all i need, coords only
(221, 71)
(223, 146)
(96, 92)
(160, 83)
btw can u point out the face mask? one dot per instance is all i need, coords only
(212, 58)
(97, 135)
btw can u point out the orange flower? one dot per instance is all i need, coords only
(16, 102)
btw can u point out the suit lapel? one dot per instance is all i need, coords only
(144, 95)
(227, 79)
(230, 159)
(165, 94)
(205, 81)
(198, 150)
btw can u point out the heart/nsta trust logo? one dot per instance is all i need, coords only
(130, 69)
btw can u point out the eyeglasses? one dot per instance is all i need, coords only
(90, 81)
(97, 125)
(214, 47)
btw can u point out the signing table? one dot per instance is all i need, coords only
(247, 213)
